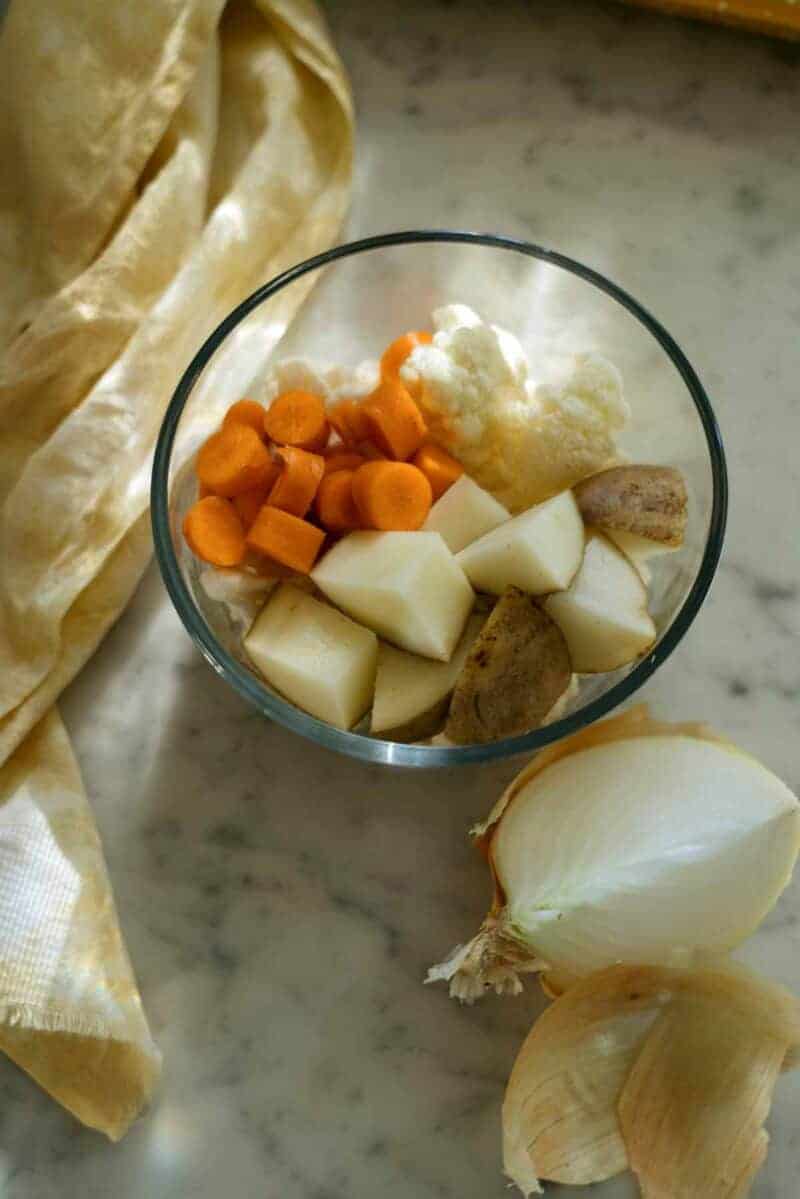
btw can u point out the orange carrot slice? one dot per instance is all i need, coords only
(214, 531)
(343, 460)
(233, 460)
(286, 539)
(395, 422)
(298, 418)
(250, 503)
(297, 484)
(334, 503)
(371, 452)
(391, 495)
(440, 468)
(347, 418)
(246, 412)
(395, 355)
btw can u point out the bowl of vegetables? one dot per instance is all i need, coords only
(462, 505)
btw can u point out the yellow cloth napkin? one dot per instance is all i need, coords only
(162, 159)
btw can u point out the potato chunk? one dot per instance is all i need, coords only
(515, 672)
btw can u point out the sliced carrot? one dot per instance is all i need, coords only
(250, 503)
(343, 460)
(347, 418)
(214, 532)
(395, 355)
(396, 424)
(286, 539)
(298, 418)
(246, 412)
(370, 451)
(334, 503)
(440, 468)
(338, 419)
(297, 484)
(234, 460)
(391, 495)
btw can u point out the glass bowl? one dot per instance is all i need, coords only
(365, 294)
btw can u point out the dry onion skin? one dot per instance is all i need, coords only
(627, 843)
(668, 1072)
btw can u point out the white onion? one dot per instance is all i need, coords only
(665, 849)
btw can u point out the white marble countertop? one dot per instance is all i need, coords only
(281, 905)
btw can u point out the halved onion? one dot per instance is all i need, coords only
(634, 841)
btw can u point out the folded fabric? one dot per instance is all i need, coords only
(163, 160)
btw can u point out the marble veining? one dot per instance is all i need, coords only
(282, 905)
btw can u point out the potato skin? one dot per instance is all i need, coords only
(513, 675)
(650, 501)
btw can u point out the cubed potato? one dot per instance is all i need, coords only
(411, 692)
(464, 513)
(514, 674)
(538, 551)
(407, 587)
(603, 614)
(316, 657)
(640, 550)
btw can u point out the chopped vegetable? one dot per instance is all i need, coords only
(412, 693)
(538, 551)
(603, 613)
(396, 424)
(214, 532)
(334, 502)
(370, 452)
(392, 496)
(395, 355)
(286, 538)
(628, 842)
(250, 503)
(343, 460)
(439, 467)
(297, 484)
(406, 587)
(515, 672)
(233, 460)
(464, 513)
(298, 418)
(648, 501)
(318, 658)
(349, 422)
(246, 412)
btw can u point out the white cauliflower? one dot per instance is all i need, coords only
(521, 441)
(331, 383)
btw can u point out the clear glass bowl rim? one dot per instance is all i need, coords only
(390, 752)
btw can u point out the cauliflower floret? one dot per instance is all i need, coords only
(331, 383)
(353, 383)
(521, 441)
(464, 375)
(572, 435)
(289, 375)
(454, 316)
